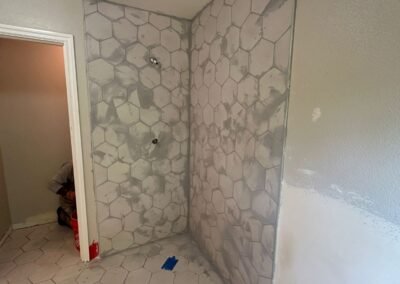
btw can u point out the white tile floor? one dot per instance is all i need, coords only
(45, 254)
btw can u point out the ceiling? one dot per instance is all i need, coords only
(186, 9)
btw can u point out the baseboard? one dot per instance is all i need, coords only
(41, 219)
(6, 234)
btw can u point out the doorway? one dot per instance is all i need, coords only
(64, 43)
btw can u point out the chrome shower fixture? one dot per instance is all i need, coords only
(154, 61)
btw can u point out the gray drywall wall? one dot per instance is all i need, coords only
(34, 127)
(342, 174)
(5, 217)
(65, 16)
(344, 123)
(141, 188)
(239, 89)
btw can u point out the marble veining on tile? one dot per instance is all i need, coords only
(239, 72)
(141, 188)
(239, 90)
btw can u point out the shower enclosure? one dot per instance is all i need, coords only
(146, 94)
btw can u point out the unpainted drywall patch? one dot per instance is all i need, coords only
(326, 240)
(307, 172)
(316, 114)
(337, 188)
(311, 179)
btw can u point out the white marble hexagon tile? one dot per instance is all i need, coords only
(141, 189)
(239, 67)
(45, 254)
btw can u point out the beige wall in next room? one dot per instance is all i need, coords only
(62, 16)
(5, 219)
(34, 131)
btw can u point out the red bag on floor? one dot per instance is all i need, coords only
(75, 229)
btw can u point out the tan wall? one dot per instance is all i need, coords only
(339, 219)
(34, 132)
(65, 16)
(5, 219)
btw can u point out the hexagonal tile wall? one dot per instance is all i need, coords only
(239, 68)
(141, 188)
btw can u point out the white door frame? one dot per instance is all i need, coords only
(67, 41)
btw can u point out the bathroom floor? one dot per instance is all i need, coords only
(45, 254)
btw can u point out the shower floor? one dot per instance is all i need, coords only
(45, 254)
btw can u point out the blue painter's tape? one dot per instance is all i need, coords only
(170, 263)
